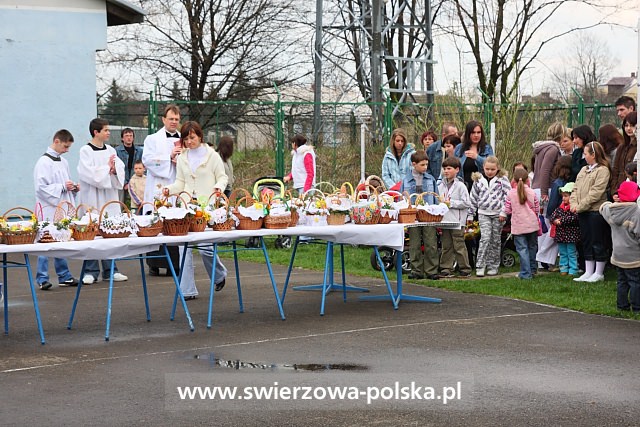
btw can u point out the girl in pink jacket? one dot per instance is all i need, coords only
(523, 206)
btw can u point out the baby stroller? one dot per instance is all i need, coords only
(507, 246)
(275, 184)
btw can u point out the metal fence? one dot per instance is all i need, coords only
(262, 129)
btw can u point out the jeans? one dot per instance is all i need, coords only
(527, 247)
(629, 289)
(60, 265)
(568, 258)
(92, 268)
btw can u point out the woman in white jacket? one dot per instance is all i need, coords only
(199, 171)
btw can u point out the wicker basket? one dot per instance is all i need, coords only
(385, 219)
(18, 237)
(277, 222)
(246, 223)
(149, 230)
(229, 223)
(198, 224)
(374, 217)
(336, 218)
(424, 216)
(64, 210)
(295, 217)
(90, 231)
(407, 216)
(119, 235)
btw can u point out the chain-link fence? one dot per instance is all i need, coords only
(348, 137)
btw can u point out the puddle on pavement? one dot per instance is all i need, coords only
(310, 367)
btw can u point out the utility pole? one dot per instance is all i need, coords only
(317, 64)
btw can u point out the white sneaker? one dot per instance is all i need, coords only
(492, 272)
(87, 280)
(480, 272)
(583, 278)
(119, 277)
(595, 277)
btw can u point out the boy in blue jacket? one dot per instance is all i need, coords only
(417, 181)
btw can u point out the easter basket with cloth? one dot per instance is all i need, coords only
(85, 227)
(295, 205)
(116, 225)
(278, 212)
(250, 213)
(314, 212)
(176, 220)
(56, 229)
(15, 229)
(148, 225)
(389, 206)
(366, 209)
(219, 210)
(339, 205)
(430, 212)
(406, 210)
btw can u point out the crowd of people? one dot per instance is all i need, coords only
(575, 204)
(564, 206)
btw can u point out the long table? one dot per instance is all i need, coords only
(389, 235)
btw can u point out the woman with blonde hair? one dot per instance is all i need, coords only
(589, 193)
(396, 162)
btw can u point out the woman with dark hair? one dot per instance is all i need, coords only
(581, 135)
(396, 162)
(472, 152)
(611, 139)
(225, 149)
(428, 138)
(303, 165)
(589, 193)
(626, 153)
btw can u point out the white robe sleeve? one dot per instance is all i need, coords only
(94, 169)
(48, 189)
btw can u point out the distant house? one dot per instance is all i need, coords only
(618, 86)
(48, 68)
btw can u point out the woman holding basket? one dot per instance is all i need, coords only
(200, 171)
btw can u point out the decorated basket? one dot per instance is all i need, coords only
(406, 211)
(315, 210)
(118, 225)
(295, 206)
(366, 211)
(56, 229)
(250, 213)
(148, 225)
(279, 213)
(430, 213)
(175, 219)
(84, 227)
(339, 206)
(221, 218)
(15, 229)
(388, 207)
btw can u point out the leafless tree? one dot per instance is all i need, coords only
(586, 66)
(504, 37)
(211, 50)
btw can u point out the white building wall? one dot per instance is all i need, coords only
(47, 64)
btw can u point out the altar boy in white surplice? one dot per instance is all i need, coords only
(101, 175)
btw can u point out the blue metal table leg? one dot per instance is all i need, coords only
(175, 296)
(109, 300)
(344, 274)
(34, 297)
(176, 281)
(144, 289)
(332, 286)
(328, 272)
(235, 263)
(293, 257)
(273, 280)
(75, 301)
(391, 297)
(212, 284)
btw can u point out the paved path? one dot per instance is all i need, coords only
(514, 363)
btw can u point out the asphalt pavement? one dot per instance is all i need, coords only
(471, 360)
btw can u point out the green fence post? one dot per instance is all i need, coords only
(596, 115)
(488, 109)
(580, 106)
(152, 116)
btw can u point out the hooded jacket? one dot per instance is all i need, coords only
(393, 170)
(624, 219)
(545, 155)
(488, 196)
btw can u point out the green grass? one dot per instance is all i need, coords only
(546, 288)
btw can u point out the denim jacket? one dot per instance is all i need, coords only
(428, 184)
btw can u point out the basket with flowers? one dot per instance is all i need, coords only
(15, 229)
(200, 217)
(219, 212)
(314, 211)
(339, 206)
(366, 209)
(296, 205)
(278, 212)
(84, 227)
(58, 229)
(430, 212)
(113, 224)
(249, 212)
(389, 206)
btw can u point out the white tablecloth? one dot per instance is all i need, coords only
(391, 235)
